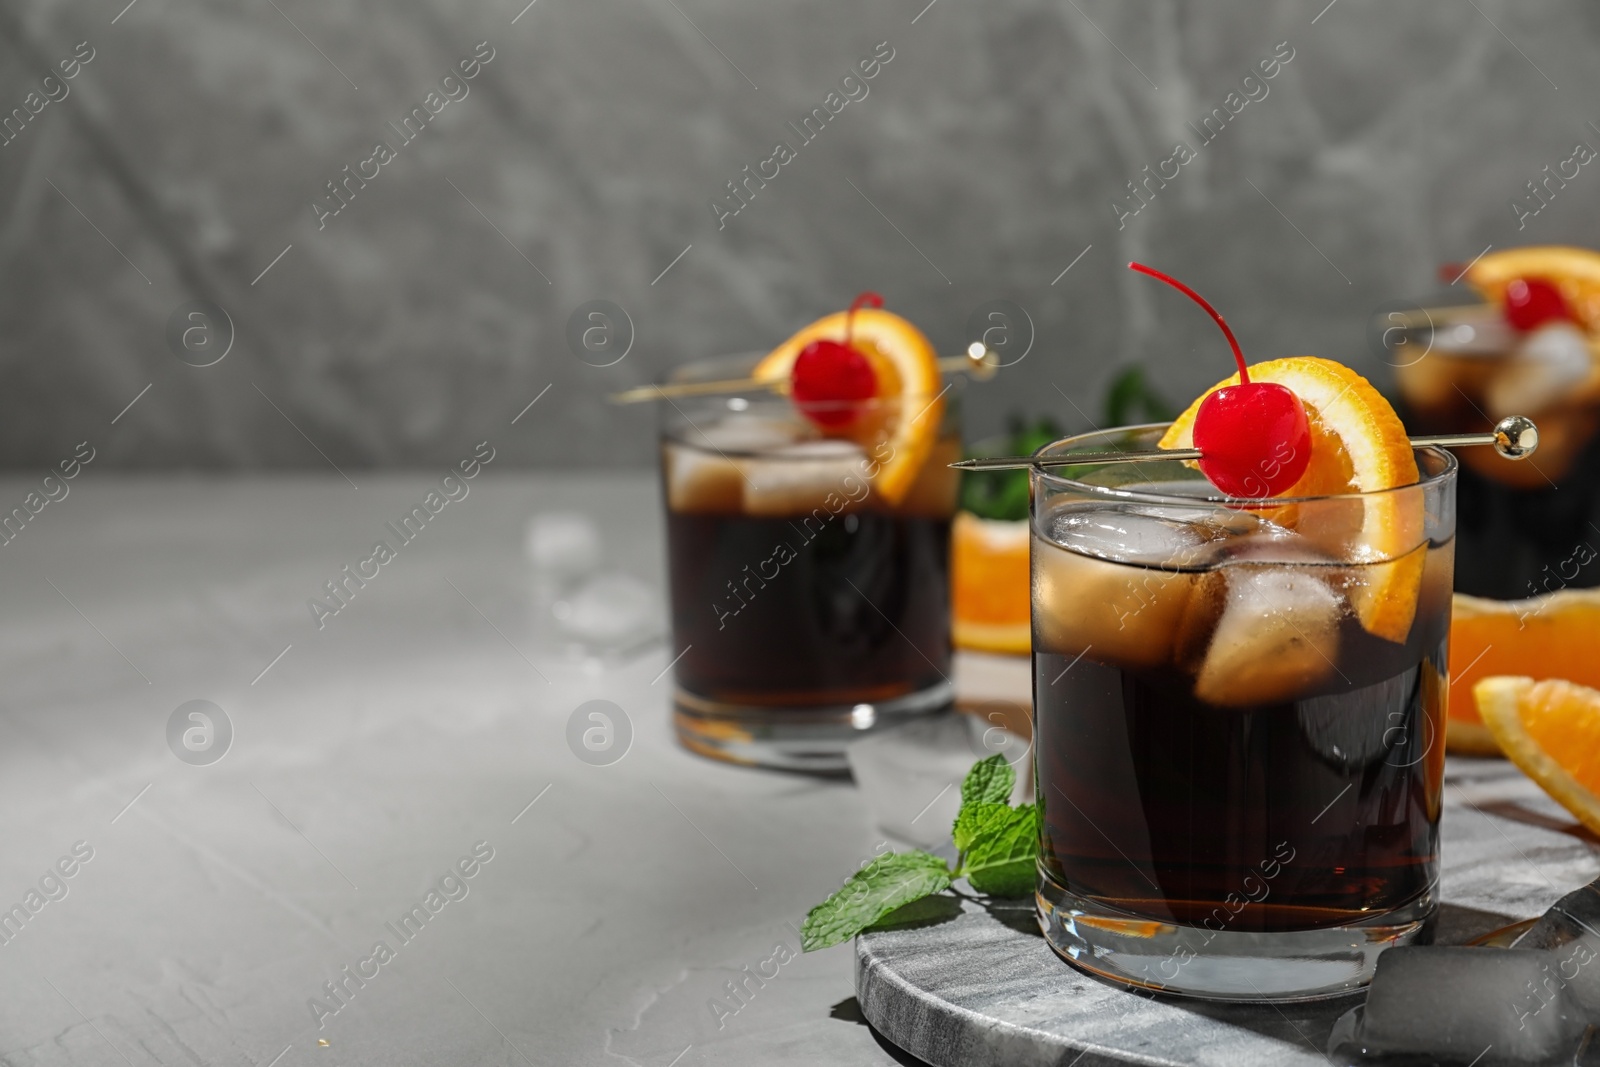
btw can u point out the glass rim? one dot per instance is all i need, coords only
(1446, 314)
(1446, 471)
(678, 428)
(684, 433)
(1488, 337)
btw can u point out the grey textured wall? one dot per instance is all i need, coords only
(985, 158)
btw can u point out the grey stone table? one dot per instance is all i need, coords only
(370, 757)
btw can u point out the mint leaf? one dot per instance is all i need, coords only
(979, 820)
(1003, 855)
(1131, 399)
(940, 907)
(999, 846)
(988, 782)
(891, 880)
(998, 495)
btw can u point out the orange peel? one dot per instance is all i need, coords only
(1358, 445)
(1550, 636)
(910, 405)
(1550, 729)
(989, 608)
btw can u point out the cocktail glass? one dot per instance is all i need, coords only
(1239, 711)
(1524, 528)
(807, 607)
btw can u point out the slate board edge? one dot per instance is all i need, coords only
(943, 1034)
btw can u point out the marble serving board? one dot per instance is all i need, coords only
(971, 985)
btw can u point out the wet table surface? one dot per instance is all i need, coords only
(419, 734)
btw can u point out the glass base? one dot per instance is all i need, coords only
(794, 739)
(1189, 961)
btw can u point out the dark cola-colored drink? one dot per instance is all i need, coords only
(799, 594)
(1238, 723)
(1523, 529)
(1222, 741)
(851, 612)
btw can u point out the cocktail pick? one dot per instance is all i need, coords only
(981, 362)
(1514, 437)
(1253, 436)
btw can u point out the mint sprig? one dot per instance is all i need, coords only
(891, 880)
(1003, 495)
(997, 847)
(1002, 859)
(990, 781)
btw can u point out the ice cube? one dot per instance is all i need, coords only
(1265, 541)
(1570, 932)
(799, 479)
(1277, 637)
(610, 610)
(705, 465)
(1544, 368)
(562, 544)
(1126, 615)
(745, 433)
(1573, 916)
(703, 482)
(1452, 1004)
(1171, 538)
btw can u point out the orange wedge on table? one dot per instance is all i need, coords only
(1551, 729)
(989, 608)
(1358, 445)
(1553, 636)
(905, 418)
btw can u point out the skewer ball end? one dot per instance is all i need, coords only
(1516, 437)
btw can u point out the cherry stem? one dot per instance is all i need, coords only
(1238, 355)
(869, 299)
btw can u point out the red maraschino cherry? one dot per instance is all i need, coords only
(830, 379)
(1532, 302)
(1253, 437)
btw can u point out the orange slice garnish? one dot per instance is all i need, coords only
(1567, 424)
(989, 608)
(1575, 271)
(1551, 729)
(1552, 636)
(904, 421)
(1358, 445)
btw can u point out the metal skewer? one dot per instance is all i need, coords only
(1515, 437)
(642, 393)
(1421, 318)
(979, 361)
